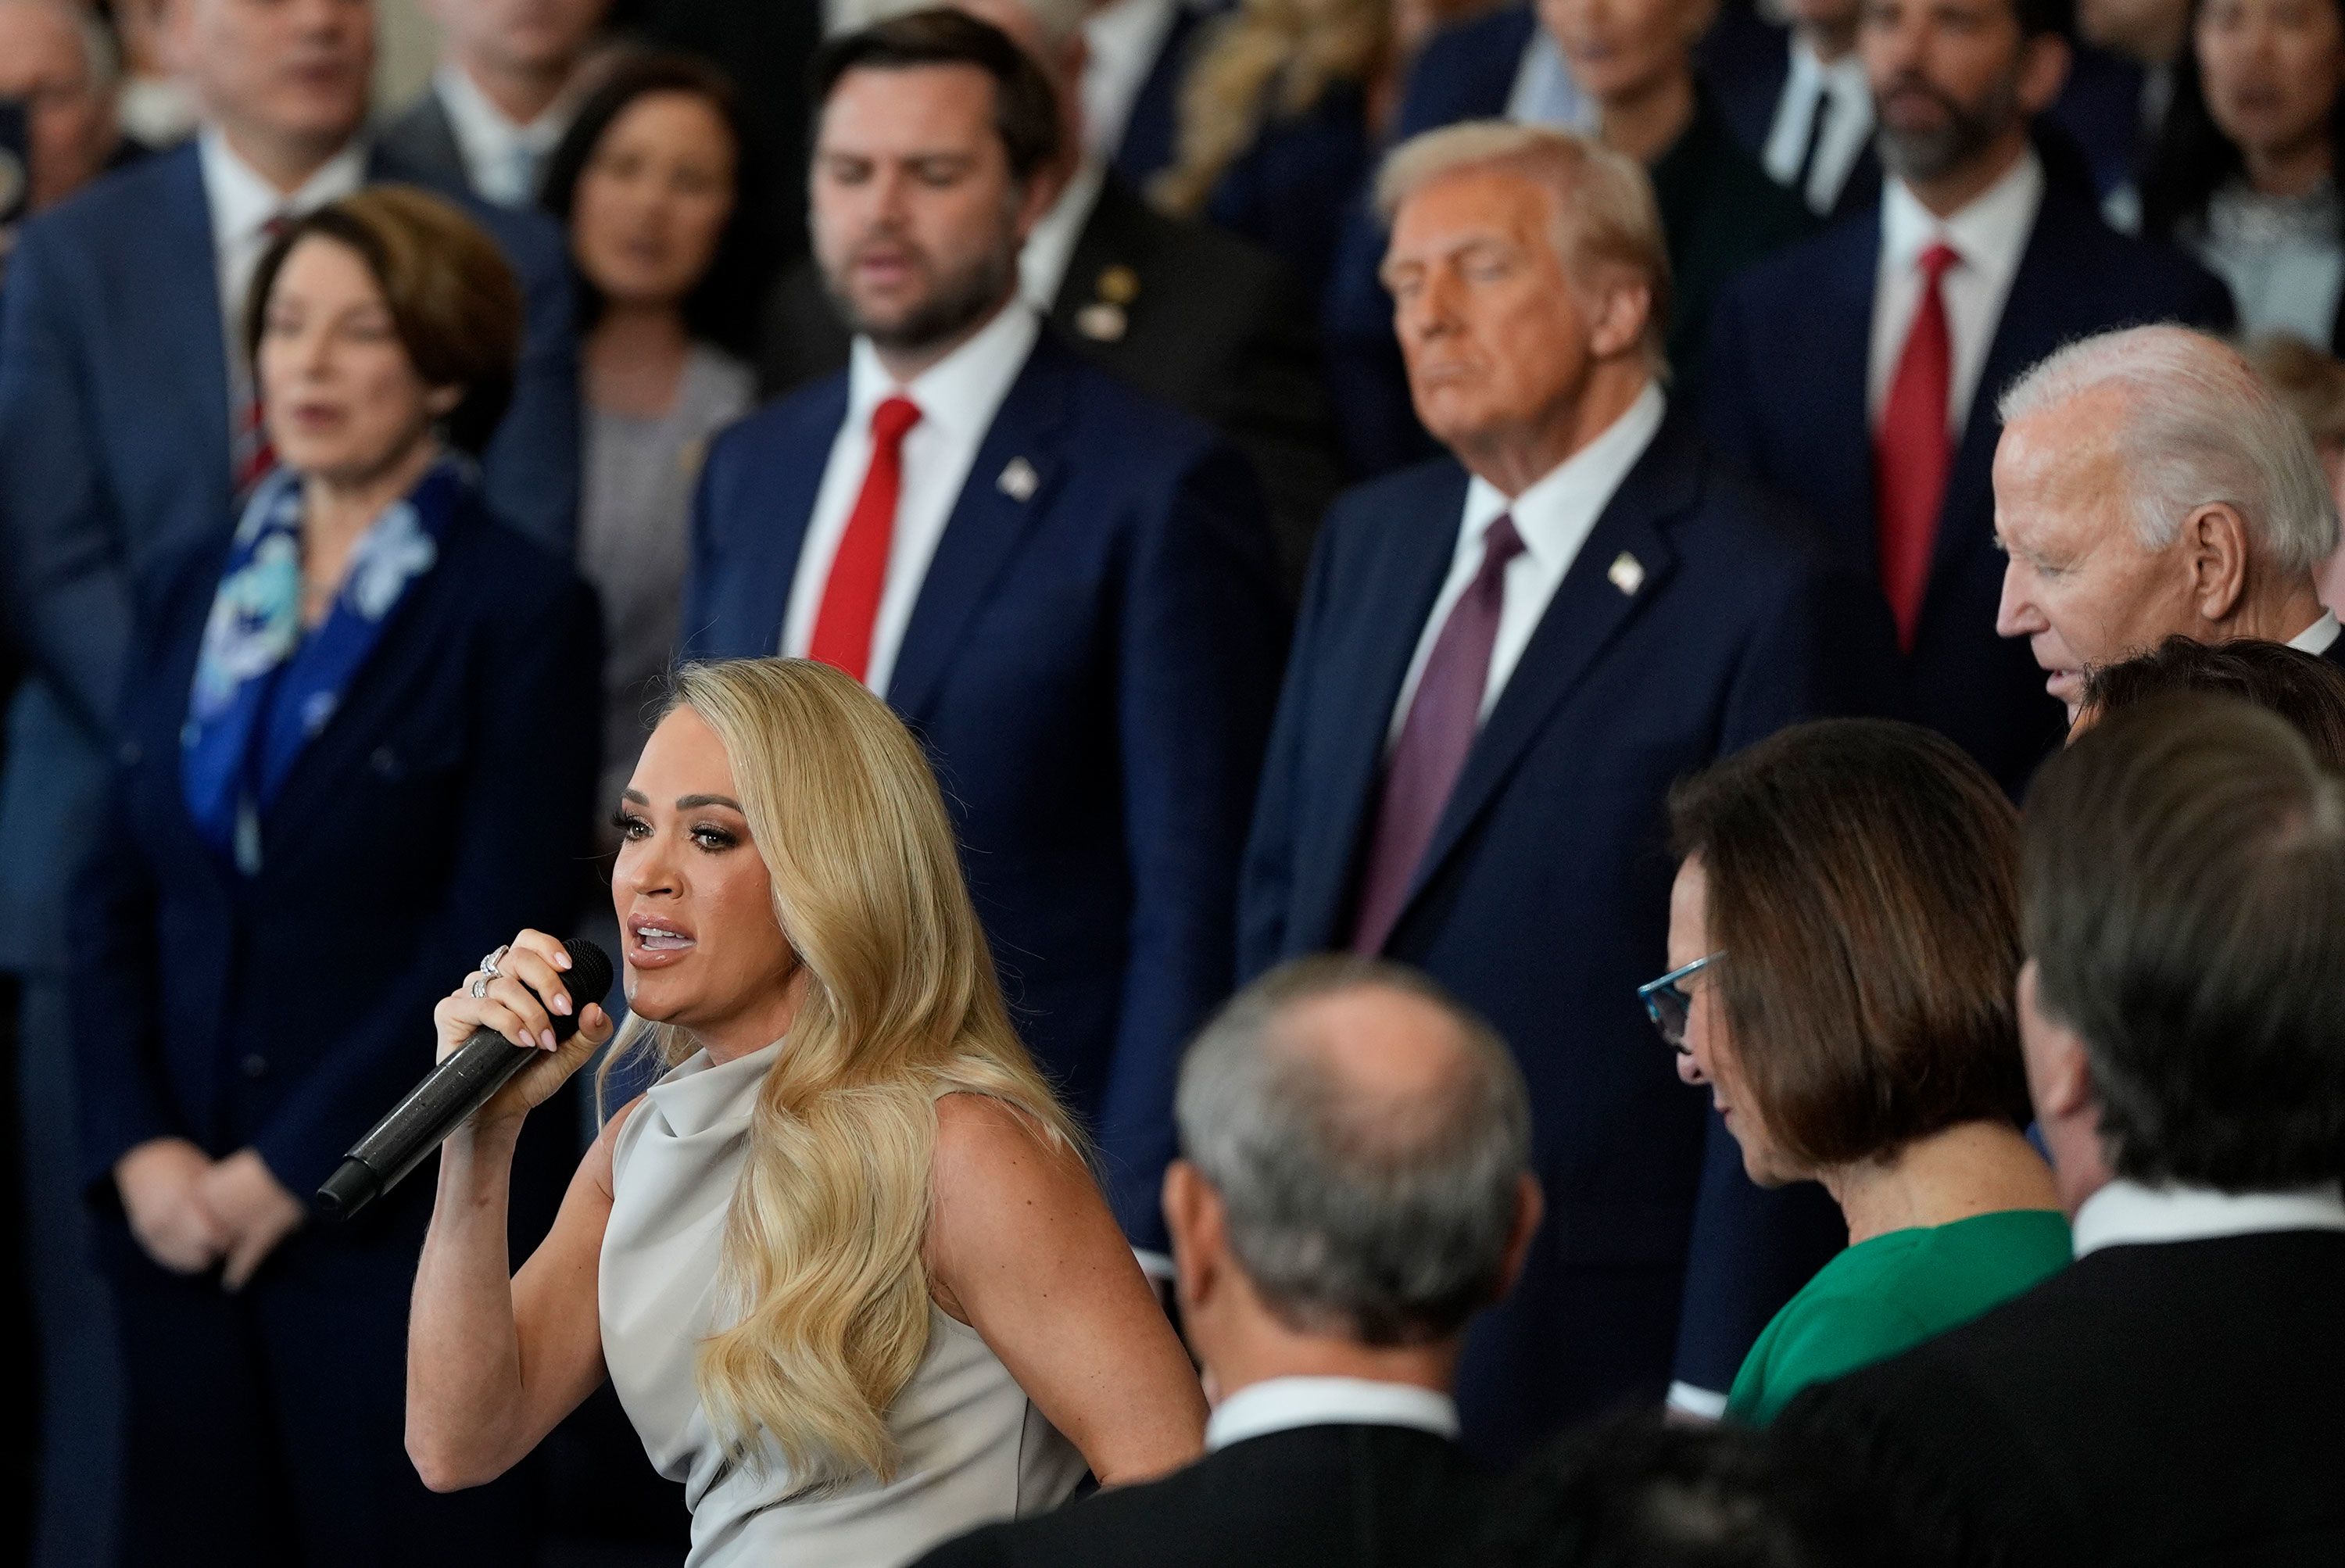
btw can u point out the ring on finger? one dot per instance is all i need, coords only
(489, 969)
(479, 989)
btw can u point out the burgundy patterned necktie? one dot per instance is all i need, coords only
(1434, 738)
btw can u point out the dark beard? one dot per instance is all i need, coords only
(962, 300)
(1966, 131)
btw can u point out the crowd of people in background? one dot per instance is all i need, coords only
(1252, 572)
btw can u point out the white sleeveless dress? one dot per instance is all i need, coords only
(974, 1448)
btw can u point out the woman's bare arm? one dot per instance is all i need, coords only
(1022, 1249)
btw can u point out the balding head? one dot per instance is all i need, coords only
(56, 58)
(1369, 1142)
(2149, 484)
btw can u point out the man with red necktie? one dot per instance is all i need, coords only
(1504, 660)
(1857, 373)
(1066, 589)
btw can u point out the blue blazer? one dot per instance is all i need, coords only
(1092, 670)
(444, 807)
(1151, 135)
(114, 393)
(1790, 352)
(1543, 902)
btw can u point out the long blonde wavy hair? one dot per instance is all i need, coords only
(1268, 58)
(822, 1252)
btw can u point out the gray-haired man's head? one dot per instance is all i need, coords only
(1357, 1148)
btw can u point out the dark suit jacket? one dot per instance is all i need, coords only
(1719, 212)
(1543, 902)
(1310, 1497)
(1091, 670)
(444, 807)
(1211, 325)
(1152, 134)
(1790, 350)
(114, 393)
(2174, 1403)
(421, 138)
(1745, 61)
(1291, 191)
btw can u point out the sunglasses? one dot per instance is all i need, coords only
(1667, 1004)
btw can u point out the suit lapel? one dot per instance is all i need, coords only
(1587, 611)
(187, 329)
(1840, 329)
(1411, 556)
(1010, 488)
(789, 485)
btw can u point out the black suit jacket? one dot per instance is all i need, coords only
(1312, 1497)
(1189, 315)
(1745, 62)
(2174, 1404)
(423, 138)
(1785, 393)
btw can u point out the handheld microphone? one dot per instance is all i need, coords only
(451, 1091)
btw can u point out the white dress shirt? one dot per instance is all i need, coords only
(2317, 638)
(2127, 1214)
(1043, 264)
(1282, 1404)
(1989, 236)
(1847, 129)
(1544, 93)
(958, 397)
(1554, 517)
(501, 159)
(243, 203)
(1124, 40)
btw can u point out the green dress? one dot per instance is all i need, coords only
(1891, 1293)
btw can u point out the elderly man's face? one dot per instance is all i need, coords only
(292, 69)
(1495, 336)
(71, 122)
(2078, 584)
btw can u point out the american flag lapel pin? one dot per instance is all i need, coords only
(1019, 480)
(1626, 573)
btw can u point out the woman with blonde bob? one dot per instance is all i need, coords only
(845, 1262)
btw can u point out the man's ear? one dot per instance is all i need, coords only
(2059, 1070)
(2043, 61)
(1623, 307)
(2215, 539)
(1530, 1209)
(1196, 1220)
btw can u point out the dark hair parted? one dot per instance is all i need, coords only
(2184, 868)
(723, 306)
(1863, 883)
(2303, 688)
(1025, 106)
(2191, 158)
(453, 301)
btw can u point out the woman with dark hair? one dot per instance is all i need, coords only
(648, 184)
(2245, 172)
(1844, 938)
(357, 744)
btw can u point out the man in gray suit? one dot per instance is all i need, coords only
(503, 93)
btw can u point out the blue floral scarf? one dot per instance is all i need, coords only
(264, 688)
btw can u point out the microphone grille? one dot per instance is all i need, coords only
(590, 972)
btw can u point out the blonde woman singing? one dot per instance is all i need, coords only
(845, 1262)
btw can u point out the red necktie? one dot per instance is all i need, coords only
(1912, 453)
(858, 573)
(253, 456)
(1443, 717)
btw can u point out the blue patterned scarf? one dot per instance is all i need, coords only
(264, 688)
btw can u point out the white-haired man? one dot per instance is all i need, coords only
(2146, 486)
(55, 61)
(1505, 658)
(1190, 315)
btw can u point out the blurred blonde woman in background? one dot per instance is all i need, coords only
(845, 1262)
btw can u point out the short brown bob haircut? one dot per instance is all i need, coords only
(2303, 688)
(1863, 885)
(454, 298)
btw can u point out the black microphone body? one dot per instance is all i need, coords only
(450, 1093)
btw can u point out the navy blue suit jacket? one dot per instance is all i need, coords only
(1746, 60)
(114, 394)
(1151, 134)
(1092, 670)
(1790, 352)
(1543, 901)
(445, 805)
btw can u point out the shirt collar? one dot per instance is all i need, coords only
(1050, 247)
(1809, 73)
(479, 123)
(1989, 234)
(963, 389)
(1556, 514)
(2129, 1214)
(242, 200)
(2318, 638)
(1283, 1404)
